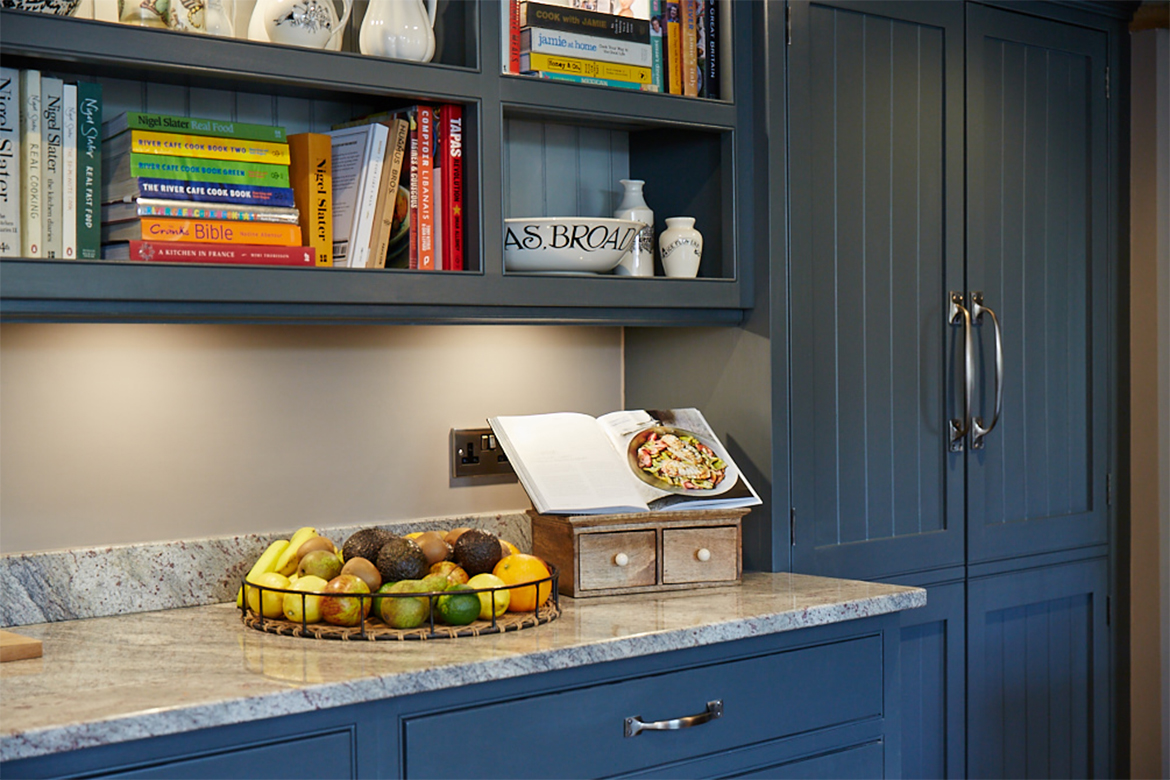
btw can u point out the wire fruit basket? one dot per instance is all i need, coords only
(372, 628)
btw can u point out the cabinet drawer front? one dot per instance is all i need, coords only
(598, 556)
(580, 733)
(323, 755)
(682, 555)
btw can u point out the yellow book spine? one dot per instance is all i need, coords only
(212, 231)
(690, 43)
(208, 147)
(311, 176)
(594, 68)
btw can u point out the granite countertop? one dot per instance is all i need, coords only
(111, 679)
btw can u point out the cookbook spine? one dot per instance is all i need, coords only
(194, 169)
(426, 188)
(184, 252)
(204, 231)
(52, 173)
(311, 176)
(89, 170)
(558, 17)
(165, 123)
(200, 146)
(11, 179)
(580, 67)
(32, 193)
(453, 188)
(69, 172)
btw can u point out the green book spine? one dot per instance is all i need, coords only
(163, 123)
(89, 170)
(157, 166)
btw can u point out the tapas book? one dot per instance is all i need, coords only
(629, 461)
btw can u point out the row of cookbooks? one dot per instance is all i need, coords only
(670, 46)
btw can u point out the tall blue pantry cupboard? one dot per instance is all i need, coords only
(945, 177)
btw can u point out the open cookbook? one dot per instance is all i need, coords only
(629, 461)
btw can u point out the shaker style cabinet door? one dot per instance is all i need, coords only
(876, 134)
(1036, 197)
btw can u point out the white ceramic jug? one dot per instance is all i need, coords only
(310, 23)
(400, 29)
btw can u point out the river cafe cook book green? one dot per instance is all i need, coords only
(628, 461)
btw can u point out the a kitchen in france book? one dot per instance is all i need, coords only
(628, 461)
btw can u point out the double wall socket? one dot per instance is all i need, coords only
(476, 453)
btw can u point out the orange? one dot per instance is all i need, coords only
(518, 569)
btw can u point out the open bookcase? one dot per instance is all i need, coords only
(532, 148)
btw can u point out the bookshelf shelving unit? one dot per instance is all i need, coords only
(696, 156)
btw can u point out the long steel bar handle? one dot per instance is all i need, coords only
(635, 725)
(977, 429)
(961, 426)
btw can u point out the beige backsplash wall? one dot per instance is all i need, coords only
(127, 433)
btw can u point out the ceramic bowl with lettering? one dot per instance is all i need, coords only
(567, 244)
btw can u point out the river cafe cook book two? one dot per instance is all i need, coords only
(628, 461)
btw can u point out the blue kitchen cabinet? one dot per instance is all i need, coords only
(944, 157)
(817, 702)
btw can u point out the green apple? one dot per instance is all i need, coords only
(304, 608)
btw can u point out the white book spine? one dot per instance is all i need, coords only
(585, 47)
(10, 177)
(52, 174)
(368, 197)
(69, 172)
(349, 149)
(32, 237)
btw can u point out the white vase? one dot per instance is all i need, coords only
(639, 261)
(218, 16)
(313, 24)
(399, 29)
(681, 247)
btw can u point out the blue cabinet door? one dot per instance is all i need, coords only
(1037, 225)
(1037, 666)
(876, 136)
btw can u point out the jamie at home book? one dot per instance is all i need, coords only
(629, 461)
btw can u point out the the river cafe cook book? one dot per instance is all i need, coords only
(628, 461)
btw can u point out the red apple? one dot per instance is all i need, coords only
(345, 610)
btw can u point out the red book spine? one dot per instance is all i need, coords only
(453, 188)
(513, 36)
(245, 254)
(426, 188)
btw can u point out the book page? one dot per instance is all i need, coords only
(567, 464)
(701, 475)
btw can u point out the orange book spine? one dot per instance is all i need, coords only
(311, 176)
(426, 188)
(674, 82)
(690, 48)
(211, 231)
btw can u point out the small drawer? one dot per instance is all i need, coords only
(700, 555)
(619, 559)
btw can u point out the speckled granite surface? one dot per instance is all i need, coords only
(99, 581)
(113, 679)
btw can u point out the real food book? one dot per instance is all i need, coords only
(628, 461)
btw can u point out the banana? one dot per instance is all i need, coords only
(286, 564)
(264, 563)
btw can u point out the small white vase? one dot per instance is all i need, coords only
(399, 29)
(639, 261)
(681, 247)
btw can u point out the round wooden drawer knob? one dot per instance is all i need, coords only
(621, 559)
(703, 554)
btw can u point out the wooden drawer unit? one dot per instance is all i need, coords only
(602, 555)
(587, 732)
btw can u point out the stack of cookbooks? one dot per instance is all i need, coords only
(185, 189)
(651, 45)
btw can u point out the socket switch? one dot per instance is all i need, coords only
(476, 453)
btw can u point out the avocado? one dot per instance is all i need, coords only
(365, 544)
(402, 559)
(478, 551)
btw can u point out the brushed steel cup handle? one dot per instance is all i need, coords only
(961, 426)
(977, 312)
(635, 725)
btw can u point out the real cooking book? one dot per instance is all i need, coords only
(628, 461)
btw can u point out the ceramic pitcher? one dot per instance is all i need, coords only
(310, 23)
(400, 29)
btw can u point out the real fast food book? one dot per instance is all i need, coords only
(11, 179)
(204, 146)
(89, 170)
(311, 175)
(52, 164)
(31, 188)
(628, 461)
(165, 123)
(185, 252)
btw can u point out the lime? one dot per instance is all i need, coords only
(499, 598)
(458, 609)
